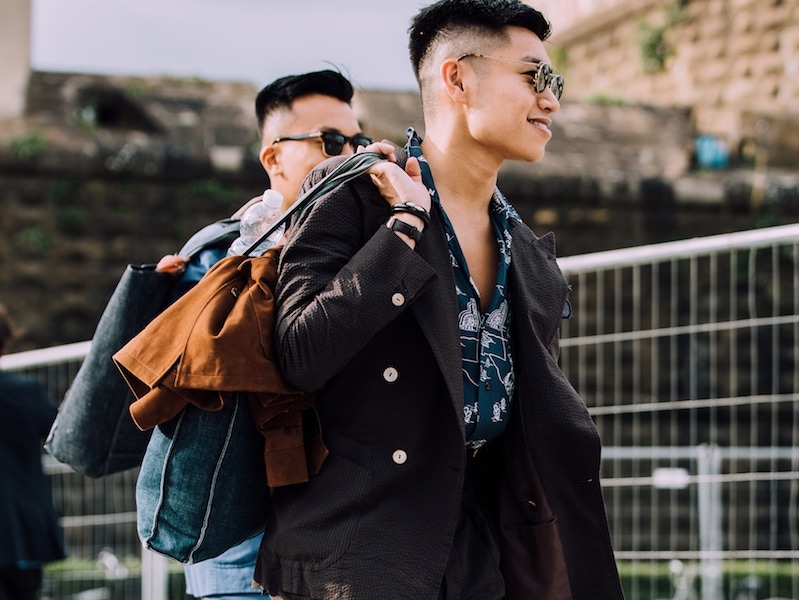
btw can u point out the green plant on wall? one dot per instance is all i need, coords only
(135, 88)
(32, 240)
(71, 219)
(29, 145)
(602, 99)
(213, 191)
(653, 45)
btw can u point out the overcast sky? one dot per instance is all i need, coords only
(235, 40)
(232, 40)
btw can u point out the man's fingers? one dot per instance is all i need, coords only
(398, 185)
(385, 148)
(413, 169)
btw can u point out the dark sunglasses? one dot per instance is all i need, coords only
(332, 141)
(544, 76)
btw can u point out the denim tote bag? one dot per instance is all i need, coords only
(93, 432)
(202, 485)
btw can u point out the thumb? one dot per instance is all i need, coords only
(413, 169)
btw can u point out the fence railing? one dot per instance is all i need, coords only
(687, 355)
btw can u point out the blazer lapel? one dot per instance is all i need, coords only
(437, 310)
(538, 289)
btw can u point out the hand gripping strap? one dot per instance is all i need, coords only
(354, 166)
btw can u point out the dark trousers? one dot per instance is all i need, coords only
(472, 572)
(20, 584)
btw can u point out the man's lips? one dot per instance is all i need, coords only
(543, 123)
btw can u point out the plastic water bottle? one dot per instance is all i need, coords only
(256, 221)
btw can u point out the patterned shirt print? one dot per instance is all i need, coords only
(487, 362)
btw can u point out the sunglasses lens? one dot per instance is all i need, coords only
(360, 140)
(556, 83)
(333, 143)
(542, 77)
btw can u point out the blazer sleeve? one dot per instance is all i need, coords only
(343, 277)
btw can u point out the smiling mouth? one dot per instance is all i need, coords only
(542, 123)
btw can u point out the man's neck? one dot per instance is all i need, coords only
(462, 178)
(289, 195)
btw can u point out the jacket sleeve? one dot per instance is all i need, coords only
(343, 277)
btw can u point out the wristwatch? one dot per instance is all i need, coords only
(395, 224)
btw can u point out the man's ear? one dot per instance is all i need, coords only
(451, 73)
(269, 158)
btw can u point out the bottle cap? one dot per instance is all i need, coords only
(272, 198)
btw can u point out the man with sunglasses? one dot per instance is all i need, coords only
(302, 120)
(425, 315)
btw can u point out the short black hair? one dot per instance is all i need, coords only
(282, 92)
(441, 18)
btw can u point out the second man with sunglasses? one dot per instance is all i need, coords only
(312, 114)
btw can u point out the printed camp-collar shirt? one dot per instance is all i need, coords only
(487, 362)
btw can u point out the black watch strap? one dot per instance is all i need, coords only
(395, 224)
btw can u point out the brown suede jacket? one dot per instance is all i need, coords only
(216, 340)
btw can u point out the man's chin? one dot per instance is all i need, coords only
(531, 156)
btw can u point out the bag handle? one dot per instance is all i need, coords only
(347, 170)
(219, 231)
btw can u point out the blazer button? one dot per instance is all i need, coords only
(531, 505)
(398, 299)
(390, 374)
(399, 457)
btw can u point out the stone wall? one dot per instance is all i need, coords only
(734, 63)
(104, 171)
(65, 239)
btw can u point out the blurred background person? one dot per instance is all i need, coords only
(30, 535)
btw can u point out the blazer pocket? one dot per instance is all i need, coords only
(533, 563)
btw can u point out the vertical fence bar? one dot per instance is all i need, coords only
(793, 492)
(154, 576)
(710, 509)
(751, 303)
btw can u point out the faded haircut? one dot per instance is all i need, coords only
(449, 19)
(281, 93)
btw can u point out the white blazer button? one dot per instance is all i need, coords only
(399, 456)
(398, 299)
(390, 374)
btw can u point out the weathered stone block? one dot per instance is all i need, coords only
(777, 135)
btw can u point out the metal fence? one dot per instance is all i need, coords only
(686, 354)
